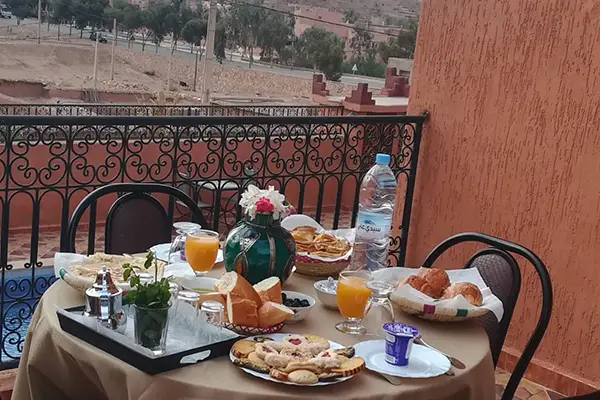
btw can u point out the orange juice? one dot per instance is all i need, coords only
(201, 251)
(352, 296)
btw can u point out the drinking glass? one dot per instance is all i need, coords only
(201, 248)
(177, 249)
(352, 299)
(380, 308)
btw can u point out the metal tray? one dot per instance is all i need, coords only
(150, 365)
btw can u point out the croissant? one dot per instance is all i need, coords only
(420, 284)
(468, 290)
(437, 278)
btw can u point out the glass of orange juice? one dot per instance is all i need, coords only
(201, 248)
(353, 299)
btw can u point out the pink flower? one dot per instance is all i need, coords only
(264, 205)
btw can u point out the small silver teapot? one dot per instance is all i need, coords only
(104, 300)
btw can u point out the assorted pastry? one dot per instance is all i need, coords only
(319, 244)
(435, 283)
(258, 306)
(301, 359)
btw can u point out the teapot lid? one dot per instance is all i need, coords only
(104, 282)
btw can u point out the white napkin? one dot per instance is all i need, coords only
(490, 301)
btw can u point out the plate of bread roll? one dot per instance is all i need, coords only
(440, 295)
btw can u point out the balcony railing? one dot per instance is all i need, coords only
(48, 163)
(169, 110)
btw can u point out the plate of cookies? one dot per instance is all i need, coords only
(292, 359)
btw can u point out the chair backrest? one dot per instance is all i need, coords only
(135, 221)
(504, 277)
(501, 273)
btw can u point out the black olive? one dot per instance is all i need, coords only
(283, 297)
(304, 303)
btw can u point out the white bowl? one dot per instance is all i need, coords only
(328, 299)
(300, 312)
(202, 284)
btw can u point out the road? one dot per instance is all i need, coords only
(183, 50)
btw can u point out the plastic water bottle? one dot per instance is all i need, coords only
(374, 220)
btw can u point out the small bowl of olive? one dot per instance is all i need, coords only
(299, 302)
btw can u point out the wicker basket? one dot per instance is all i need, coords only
(311, 267)
(433, 313)
(250, 331)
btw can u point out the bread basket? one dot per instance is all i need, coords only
(250, 331)
(310, 265)
(437, 313)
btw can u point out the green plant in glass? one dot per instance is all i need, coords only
(151, 305)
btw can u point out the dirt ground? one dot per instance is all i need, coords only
(71, 65)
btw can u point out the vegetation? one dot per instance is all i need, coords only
(241, 26)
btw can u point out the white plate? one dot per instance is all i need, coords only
(422, 363)
(278, 337)
(203, 284)
(161, 251)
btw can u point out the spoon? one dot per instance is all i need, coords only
(456, 363)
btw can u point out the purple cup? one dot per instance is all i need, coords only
(399, 339)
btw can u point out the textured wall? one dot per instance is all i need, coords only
(513, 149)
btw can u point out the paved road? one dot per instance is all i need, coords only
(184, 51)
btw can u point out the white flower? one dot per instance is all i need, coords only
(253, 194)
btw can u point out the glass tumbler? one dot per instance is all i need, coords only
(177, 249)
(380, 309)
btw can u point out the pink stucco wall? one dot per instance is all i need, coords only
(512, 149)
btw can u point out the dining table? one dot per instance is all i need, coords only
(56, 365)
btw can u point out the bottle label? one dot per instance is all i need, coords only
(372, 226)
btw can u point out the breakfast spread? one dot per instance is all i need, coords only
(319, 244)
(300, 359)
(435, 283)
(250, 306)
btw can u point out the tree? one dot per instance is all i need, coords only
(362, 42)
(178, 14)
(127, 15)
(401, 46)
(245, 24)
(275, 34)
(89, 13)
(194, 31)
(323, 49)
(350, 16)
(62, 13)
(221, 39)
(154, 20)
(22, 9)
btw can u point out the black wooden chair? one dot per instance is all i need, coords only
(500, 271)
(135, 221)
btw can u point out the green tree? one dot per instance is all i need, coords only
(128, 15)
(194, 31)
(401, 46)
(22, 9)
(362, 42)
(275, 34)
(89, 13)
(62, 13)
(221, 39)
(245, 24)
(350, 16)
(154, 19)
(177, 16)
(324, 50)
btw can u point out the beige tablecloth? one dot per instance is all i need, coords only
(56, 365)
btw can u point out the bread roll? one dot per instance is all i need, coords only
(241, 311)
(269, 290)
(420, 284)
(470, 292)
(233, 283)
(437, 278)
(272, 313)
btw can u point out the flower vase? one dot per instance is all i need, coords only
(258, 248)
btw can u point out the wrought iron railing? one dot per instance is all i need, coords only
(169, 110)
(48, 163)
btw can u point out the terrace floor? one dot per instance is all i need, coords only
(19, 248)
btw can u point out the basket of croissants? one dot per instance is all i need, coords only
(445, 306)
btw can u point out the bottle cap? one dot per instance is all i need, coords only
(383, 159)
